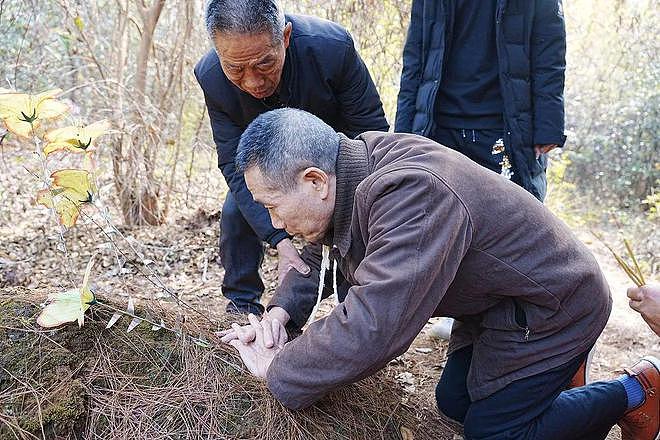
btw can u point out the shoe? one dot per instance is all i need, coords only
(643, 421)
(244, 308)
(441, 329)
(581, 377)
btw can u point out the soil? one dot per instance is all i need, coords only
(95, 382)
(183, 256)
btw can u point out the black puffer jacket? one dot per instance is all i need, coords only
(531, 49)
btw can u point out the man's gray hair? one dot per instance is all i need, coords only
(281, 143)
(245, 17)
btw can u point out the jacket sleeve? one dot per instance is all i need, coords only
(412, 71)
(412, 256)
(361, 107)
(548, 66)
(226, 135)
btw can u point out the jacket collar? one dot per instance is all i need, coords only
(288, 72)
(288, 75)
(351, 169)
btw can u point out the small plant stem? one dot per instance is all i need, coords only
(151, 276)
(53, 215)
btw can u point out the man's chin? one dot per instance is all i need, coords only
(262, 94)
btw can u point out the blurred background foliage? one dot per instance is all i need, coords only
(612, 98)
(132, 60)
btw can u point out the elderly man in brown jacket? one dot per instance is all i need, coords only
(418, 230)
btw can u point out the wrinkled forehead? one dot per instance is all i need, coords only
(239, 47)
(258, 186)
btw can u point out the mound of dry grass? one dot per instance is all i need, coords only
(95, 383)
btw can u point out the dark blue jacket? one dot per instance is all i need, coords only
(531, 51)
(323, 74)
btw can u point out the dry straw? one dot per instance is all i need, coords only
(98, 383)
(631, 269)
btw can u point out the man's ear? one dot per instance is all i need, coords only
(318, 179)
(287, 34)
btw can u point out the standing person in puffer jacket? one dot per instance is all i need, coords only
(486, 78)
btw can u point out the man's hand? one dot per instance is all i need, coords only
(646, 301)
(543, 149)
(255, 355)
(289, 259)
(246, 334)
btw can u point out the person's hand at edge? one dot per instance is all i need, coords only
(288, 258)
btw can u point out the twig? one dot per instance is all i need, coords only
(161, 285)
(631, 254)
(635, 274)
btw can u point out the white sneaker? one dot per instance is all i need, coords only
(441, 329)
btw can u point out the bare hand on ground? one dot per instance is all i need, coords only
(646, 301)
(256, 356)
(289, 259)
(246, 333)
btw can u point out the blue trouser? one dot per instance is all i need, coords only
(241, 254)
(534, 408)
(478, 146)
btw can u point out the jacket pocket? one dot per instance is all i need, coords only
(506, 315)
(520, 316)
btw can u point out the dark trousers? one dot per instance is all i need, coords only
(478, 146)
(241, 254)
(534, 408)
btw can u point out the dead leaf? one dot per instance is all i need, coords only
(134, 323)
(113, 320)
(158, 327)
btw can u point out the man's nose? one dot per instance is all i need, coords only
(253, 82)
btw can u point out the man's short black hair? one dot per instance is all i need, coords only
(245, 17)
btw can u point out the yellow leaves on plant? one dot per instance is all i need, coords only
(22, 112)
(74, 139)
(70, 190)
(79, 23)
(68, 306)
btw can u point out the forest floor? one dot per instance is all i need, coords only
(184, 257)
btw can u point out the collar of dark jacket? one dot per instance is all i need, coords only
(288, 71)
(352, 168)
(286, 83)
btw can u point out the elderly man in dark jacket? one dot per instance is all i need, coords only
(419, 230)
(263, 60)
(487, 79)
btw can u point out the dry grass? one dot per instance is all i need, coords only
(95, 383)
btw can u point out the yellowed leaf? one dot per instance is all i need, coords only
(22, 112)
(71, 189)
(76, 139)
(79, 23)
